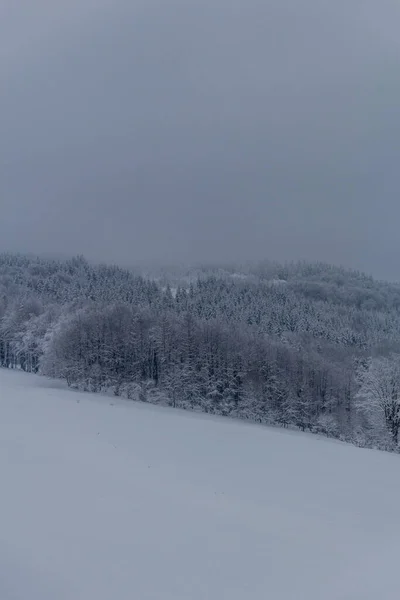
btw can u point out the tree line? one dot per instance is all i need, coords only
(304, 345)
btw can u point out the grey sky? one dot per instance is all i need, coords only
(155, 130)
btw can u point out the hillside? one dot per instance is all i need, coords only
(278, 344)
(105, 499)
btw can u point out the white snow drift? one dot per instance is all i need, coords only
(104, 499)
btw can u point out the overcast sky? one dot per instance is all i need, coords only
(202, 130)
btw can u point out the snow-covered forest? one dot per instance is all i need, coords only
(306, 345)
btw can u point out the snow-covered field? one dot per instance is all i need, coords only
(110, 500)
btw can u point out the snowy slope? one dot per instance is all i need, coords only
(106, 500)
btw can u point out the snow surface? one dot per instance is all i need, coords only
(104, 499)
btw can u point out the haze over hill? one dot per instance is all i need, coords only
(212, 131)
(305, 345)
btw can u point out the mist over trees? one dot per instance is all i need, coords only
(305, 345)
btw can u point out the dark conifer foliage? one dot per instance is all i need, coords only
(293, 345)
